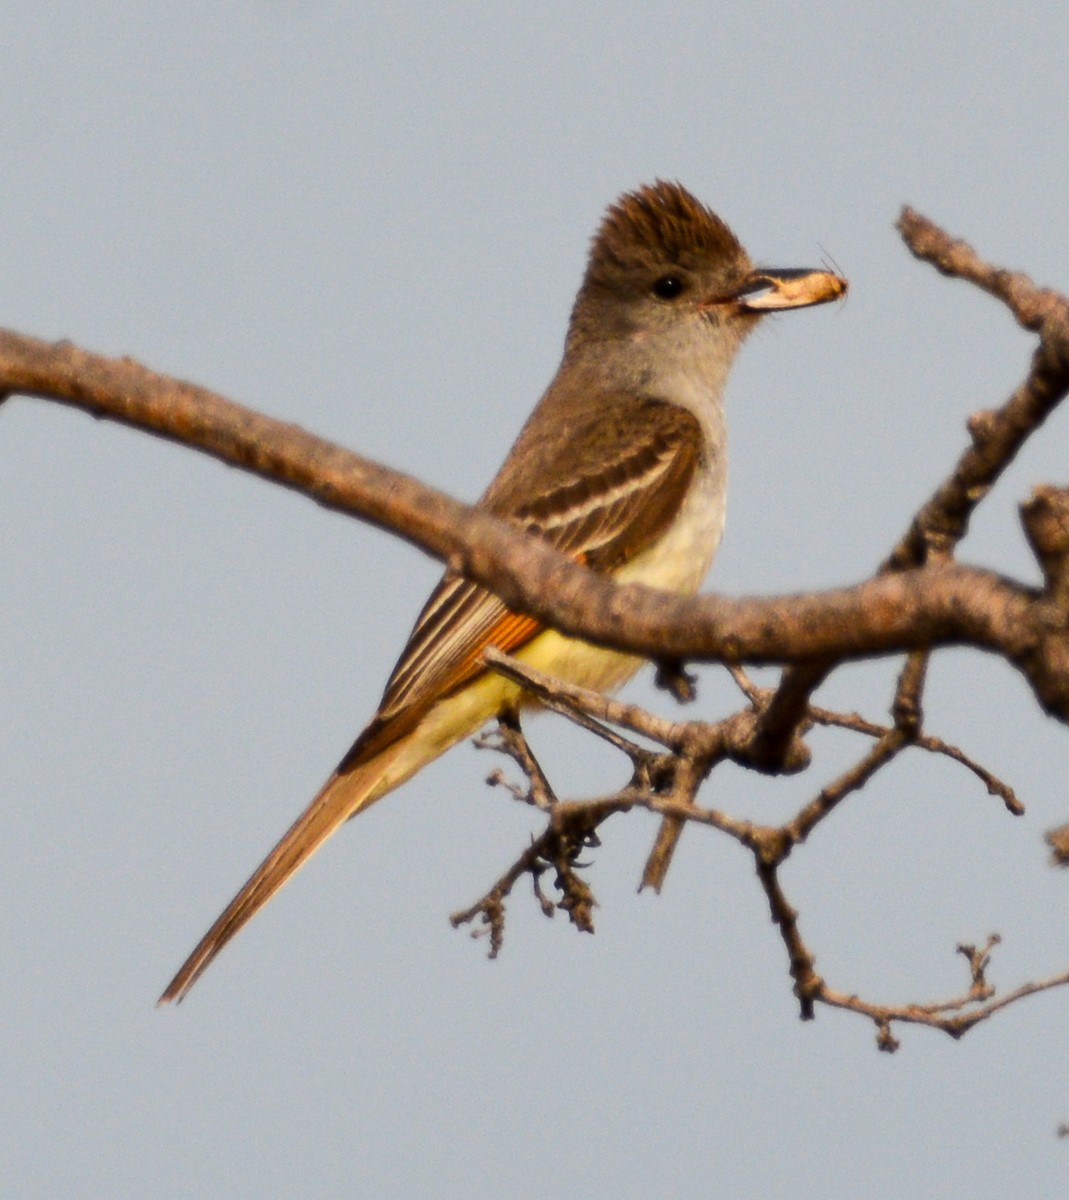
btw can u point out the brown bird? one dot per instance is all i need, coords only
(621, 466)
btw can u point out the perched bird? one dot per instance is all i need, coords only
(621, 466)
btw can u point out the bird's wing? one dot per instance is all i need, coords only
(602, 506)
(607, 490)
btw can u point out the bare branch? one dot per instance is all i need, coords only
(921, 599)
(997, 435)
(955, 1016)
(668, 784)
(940, 525)
(914, 610)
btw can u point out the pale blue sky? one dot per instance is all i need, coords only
(371, 220)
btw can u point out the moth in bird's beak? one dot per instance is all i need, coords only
(769, 288)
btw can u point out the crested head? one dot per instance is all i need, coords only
(663, 223)
(670, 286)
(658, 254)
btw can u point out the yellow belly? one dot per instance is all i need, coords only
(678, 563)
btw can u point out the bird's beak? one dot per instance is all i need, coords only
(767, 289)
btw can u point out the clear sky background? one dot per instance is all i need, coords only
(371, 219)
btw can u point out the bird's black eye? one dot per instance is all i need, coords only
(669, 287)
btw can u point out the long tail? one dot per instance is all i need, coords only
(342, 796)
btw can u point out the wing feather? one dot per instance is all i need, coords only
(608, 489)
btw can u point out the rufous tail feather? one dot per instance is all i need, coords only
(342, 796)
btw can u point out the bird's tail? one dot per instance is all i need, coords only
(342, 796)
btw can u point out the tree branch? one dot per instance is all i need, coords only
(919, 600)
(915, 609)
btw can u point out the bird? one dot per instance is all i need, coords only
(621, 466)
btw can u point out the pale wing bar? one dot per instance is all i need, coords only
(603, 517)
